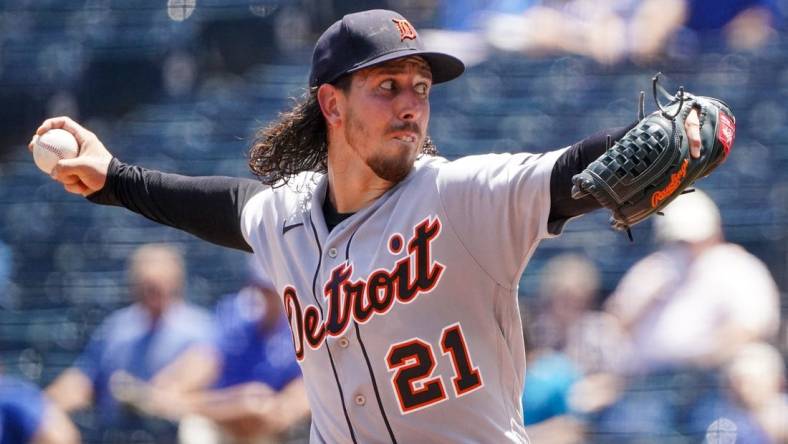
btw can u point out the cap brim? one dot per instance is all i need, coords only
(444, 67)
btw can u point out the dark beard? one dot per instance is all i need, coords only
(390, 169)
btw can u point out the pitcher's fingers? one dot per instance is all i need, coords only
(69, 179)
(32, 143)
(67, 167)
(692, 127)
(66, 123)
(76, 188)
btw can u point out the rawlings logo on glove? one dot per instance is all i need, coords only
(673, 185)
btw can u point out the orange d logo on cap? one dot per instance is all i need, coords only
(406, 30)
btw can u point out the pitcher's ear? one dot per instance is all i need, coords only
(332, 101)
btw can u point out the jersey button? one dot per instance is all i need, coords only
(343, 342)
(360, 400)
(332, 252)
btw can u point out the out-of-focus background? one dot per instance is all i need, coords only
(181, 85)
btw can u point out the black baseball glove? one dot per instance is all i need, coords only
(651, 165)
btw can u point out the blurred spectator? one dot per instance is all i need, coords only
(251, 390)
(757, 379)
(460, 24)
(689, 308)
(606, 31)
(698, 299)
(567, 320)
(754, 400)
(549, 378)
(746, 24)
(26, 416)
(568, 341)
(139, 340)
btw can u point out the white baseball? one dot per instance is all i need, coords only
(52, 146)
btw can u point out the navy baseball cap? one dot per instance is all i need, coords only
(367, 38)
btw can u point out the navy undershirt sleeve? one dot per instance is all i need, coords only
(207, 207)
(573, 161)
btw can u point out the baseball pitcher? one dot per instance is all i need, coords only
(398, 269)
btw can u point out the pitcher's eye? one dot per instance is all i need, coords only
(422, 88)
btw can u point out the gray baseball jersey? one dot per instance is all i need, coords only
(404, 317)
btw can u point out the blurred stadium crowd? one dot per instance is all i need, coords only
(181, 85)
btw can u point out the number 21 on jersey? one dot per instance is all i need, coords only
(413, 363)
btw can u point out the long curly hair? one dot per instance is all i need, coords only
(298, 141)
